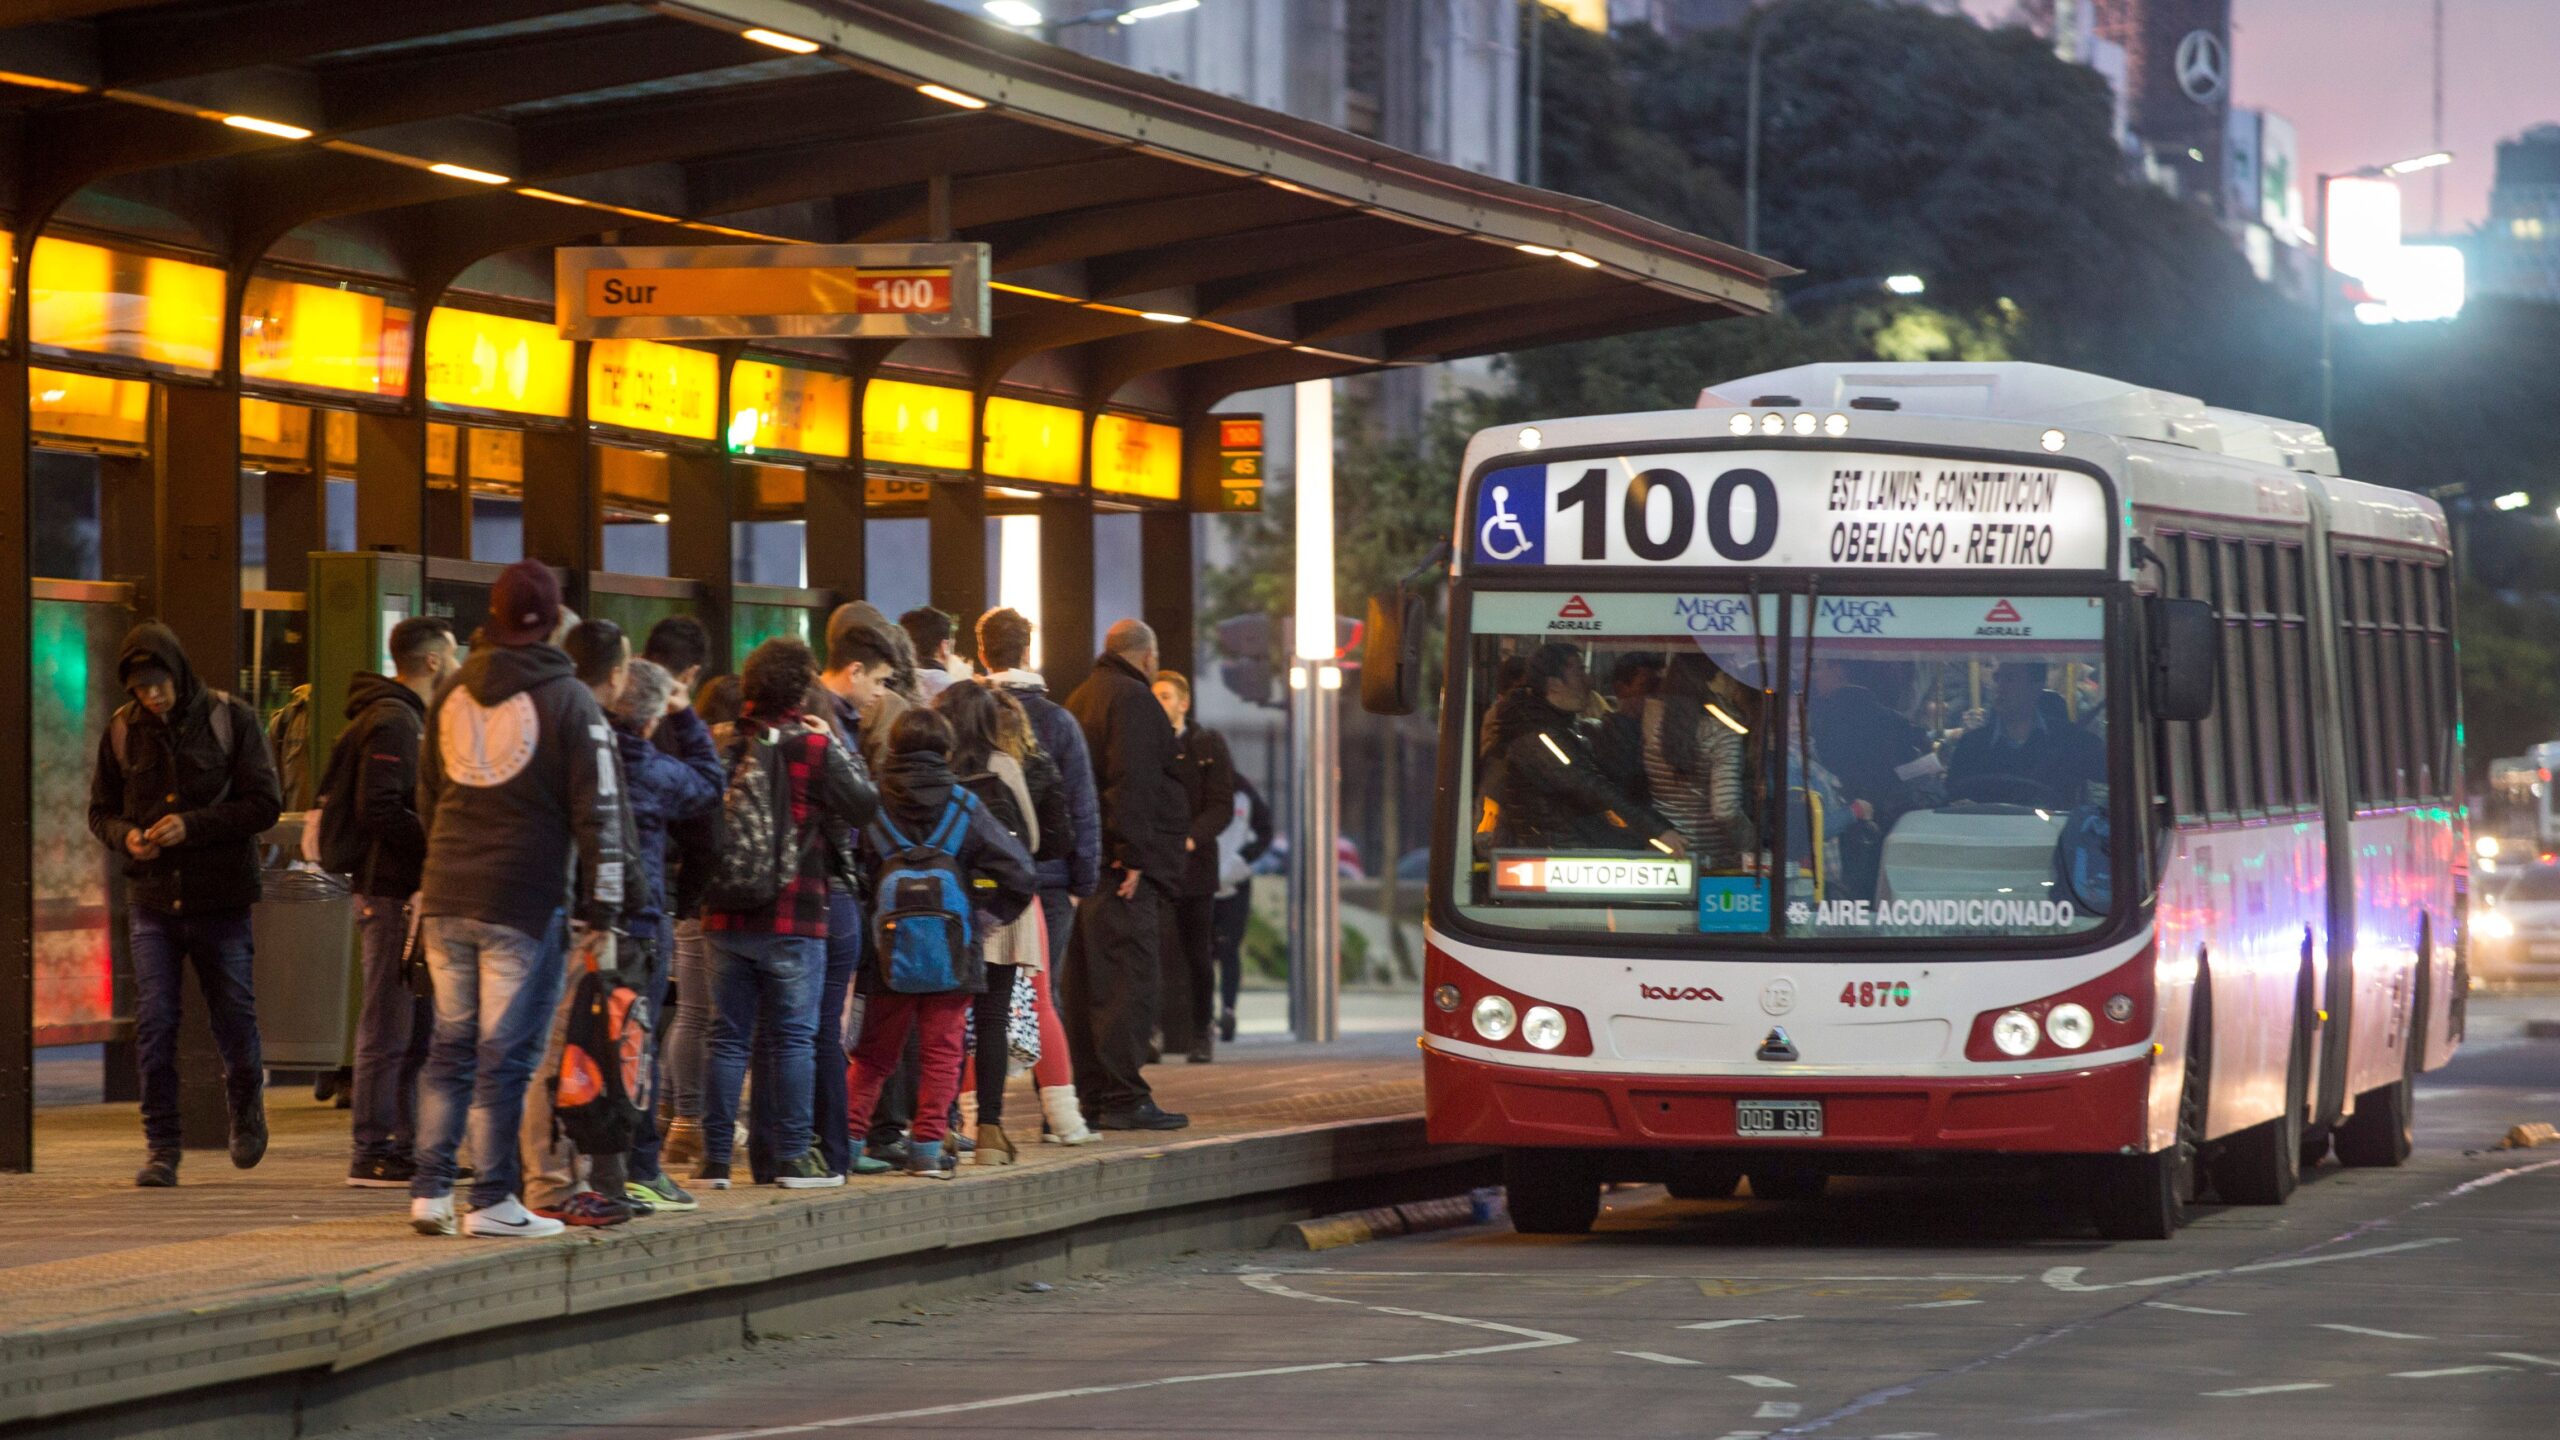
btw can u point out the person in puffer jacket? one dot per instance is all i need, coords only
(915, 787)
(671, 775)
(523, 831)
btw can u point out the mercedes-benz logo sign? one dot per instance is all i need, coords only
(2204, 66)
(1778, 996)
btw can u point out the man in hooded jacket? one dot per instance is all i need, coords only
(523, 824)
(182, 791)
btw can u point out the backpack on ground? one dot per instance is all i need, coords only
(604, 1065)
(920, 926)
(755, 853)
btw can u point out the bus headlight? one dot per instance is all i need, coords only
(1494, 1018)
(1542, 1027)
(2069, 1026)
(2014, 1032)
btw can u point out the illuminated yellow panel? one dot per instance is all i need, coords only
(478, 361)
(1592, 15)
(908, 424)
(1031, 441)
(780, 407)
(89, 407)
(325, 337)
(1137, 457)
(643, 385)
(278, 434)
(95, 301)
(8, 277)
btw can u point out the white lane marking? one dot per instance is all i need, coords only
(2528, 1359)
(2364, 1330)
(1657, 1358)
(2455, 1370)
(1910, 1435)
(1536, 1340)
(2494, 1177)
(1940, 1304)
(2188, 1309)
(1763, 1382)
(1777, 1410)
(2267, 1389)
(1742, 1435)
(1745, 1320)
(2066, 1278)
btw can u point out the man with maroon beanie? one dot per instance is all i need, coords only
(516, 785)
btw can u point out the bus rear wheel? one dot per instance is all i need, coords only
(1552, 1192)
(2379, 1133)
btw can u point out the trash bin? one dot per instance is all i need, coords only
(305, 932)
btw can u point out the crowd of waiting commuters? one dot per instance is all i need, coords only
(626, 931)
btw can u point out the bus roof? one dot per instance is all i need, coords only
(2029, 394)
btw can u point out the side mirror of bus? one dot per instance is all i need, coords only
(1391, 653)
(2186, 657)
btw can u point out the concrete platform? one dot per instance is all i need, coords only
(119, 1296)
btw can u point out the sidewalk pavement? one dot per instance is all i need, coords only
(329, 1275)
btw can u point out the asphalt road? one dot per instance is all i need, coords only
(2423, 1301)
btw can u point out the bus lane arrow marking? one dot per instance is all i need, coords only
(1746, 1320)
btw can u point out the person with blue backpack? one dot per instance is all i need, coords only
(945, 874)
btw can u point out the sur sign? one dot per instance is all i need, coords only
(736, 291)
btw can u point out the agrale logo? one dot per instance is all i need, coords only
(1689, 992)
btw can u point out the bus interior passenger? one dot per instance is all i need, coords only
(1543, 783)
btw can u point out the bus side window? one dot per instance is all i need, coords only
(2292, 648)
(2418, 700)
(2232, 712)
(2212, 794)
(2398, 774)
(2266, 711)
(2177, 738)
(2442, 684)
(2356, 649)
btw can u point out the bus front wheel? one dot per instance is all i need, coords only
(1552, 1192)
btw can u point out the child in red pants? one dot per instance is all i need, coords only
(917, 793)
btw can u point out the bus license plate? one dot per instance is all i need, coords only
(1795, 1118)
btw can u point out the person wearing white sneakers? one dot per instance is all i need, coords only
(524, 832)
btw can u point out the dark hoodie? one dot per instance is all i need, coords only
(385, 723)
(516, 783)
(914, 788)
(178, 765)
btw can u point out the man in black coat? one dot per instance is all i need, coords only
(1108, 998)
(182, 791)
(1208, 775)
(386, 721)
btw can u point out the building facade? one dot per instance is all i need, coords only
(2517, 254)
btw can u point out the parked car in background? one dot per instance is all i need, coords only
(2516, 935)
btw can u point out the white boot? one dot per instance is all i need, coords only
(1066, 1119)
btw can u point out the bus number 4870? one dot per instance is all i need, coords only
(1868, 994)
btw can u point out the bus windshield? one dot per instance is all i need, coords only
(1944, 770)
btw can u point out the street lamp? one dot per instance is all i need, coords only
(2328, 364)
(1022, 14)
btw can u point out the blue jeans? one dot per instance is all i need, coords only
(844, 957)
(773, 980)
(645, 1145)
(217, 945)
(496, 989)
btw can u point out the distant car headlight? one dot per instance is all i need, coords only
(2490, 925)
(2014, 1032)
(1542, 1027)
(2069, 1026)
(1494, 1018)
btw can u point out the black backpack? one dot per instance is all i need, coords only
(604, 1065)
(343, 847)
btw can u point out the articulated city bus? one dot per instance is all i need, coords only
(1881, 765)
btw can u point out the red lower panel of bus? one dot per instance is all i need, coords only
(2095, 1111)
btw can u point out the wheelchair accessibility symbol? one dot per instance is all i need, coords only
(1511, 516)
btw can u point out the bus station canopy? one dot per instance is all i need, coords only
(1266, 249)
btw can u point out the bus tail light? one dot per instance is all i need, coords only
(1466, 1006)
(2103, 1014)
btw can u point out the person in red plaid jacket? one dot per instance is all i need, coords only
(767, 965)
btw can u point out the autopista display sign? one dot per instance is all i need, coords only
(706, 292)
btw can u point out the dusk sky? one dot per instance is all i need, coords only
(2352, 75)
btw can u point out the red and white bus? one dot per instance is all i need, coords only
(1886, 761)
